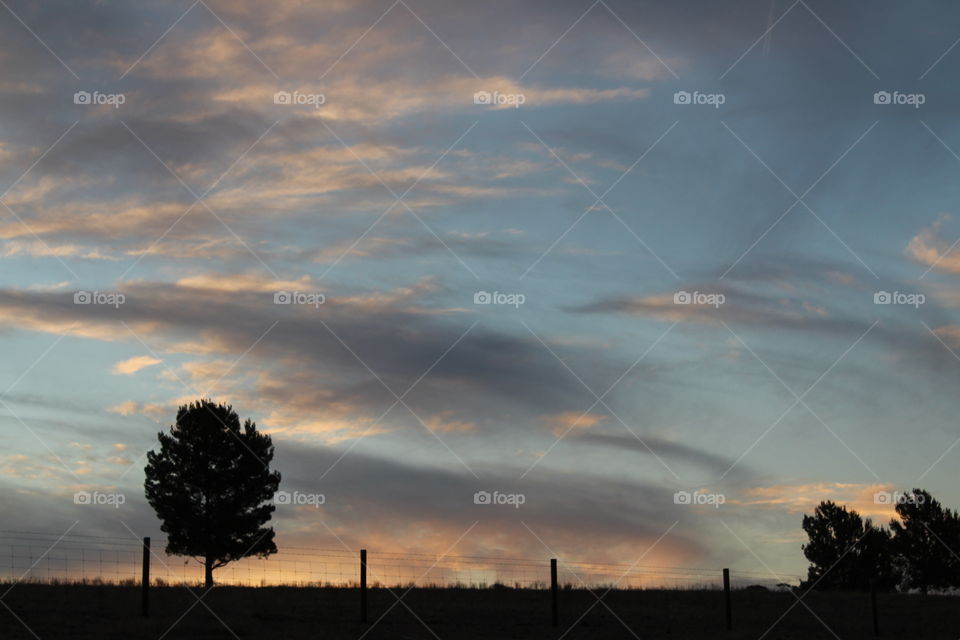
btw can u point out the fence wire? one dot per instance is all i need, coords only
(43, 557)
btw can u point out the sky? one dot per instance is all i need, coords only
(667, 273)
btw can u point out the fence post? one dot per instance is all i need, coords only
(145, 580)
(726, 595)
(363, 585)
(553, 591)
(873, 605)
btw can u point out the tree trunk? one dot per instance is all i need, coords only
(208, 572)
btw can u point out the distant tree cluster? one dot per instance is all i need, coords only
(847, 551)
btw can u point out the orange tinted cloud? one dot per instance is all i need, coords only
(567, 421)
(929, 249)
(803, 498)
(132, 365)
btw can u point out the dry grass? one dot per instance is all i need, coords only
(102, 612)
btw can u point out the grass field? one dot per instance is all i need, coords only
(85, 612)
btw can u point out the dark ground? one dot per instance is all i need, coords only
(80, 612)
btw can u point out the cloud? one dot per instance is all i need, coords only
(712, 305)
(152, 410)
(24, 467)
(950, 334)
(803, 498)
(445, 422)
(844, 278)
(561, 507)
(133, 365)
(40, 249)
(571, 421)
(311, 371)
(234, 283)
(648, 444)
(930, 250)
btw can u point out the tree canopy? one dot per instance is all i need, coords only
(211, 485)
(922, 539)
(849, 552)
(845, 551)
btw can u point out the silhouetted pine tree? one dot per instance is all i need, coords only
(923, 540)
(845, 551)
(211, 485)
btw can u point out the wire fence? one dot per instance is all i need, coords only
(44, 557)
